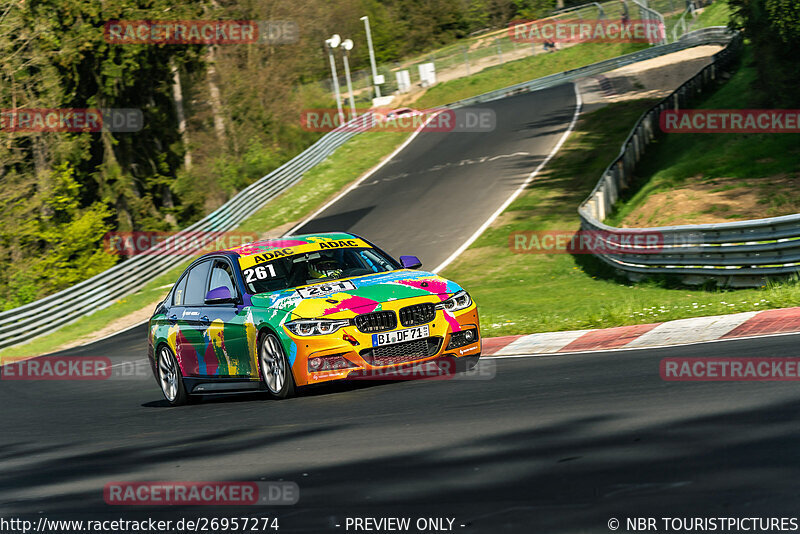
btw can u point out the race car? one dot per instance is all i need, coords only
(277, 315)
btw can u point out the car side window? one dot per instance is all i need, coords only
(222, 276)
(179, 295)
(196, 284)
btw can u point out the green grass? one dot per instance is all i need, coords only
(717, 14)
(350, 161)
(675, 159)
(522, 70)
(345, 165)
(523, 293)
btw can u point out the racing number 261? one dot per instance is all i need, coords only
(259, 273)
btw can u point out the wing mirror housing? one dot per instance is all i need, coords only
(410, 262)
(219, 295)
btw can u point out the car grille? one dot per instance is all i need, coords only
(405, 352)
(417, 314)
(376, 321)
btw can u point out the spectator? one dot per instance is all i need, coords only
(550, 46)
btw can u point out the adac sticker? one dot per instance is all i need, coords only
(252, 260)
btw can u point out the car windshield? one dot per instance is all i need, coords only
(312, 267)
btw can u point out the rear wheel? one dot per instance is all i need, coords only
(275, 369)
(170, 378)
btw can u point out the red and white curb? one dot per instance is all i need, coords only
(680, 332)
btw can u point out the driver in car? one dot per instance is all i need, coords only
(324, 268)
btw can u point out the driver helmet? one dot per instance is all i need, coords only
(324, 268)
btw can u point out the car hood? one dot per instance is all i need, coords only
(368, 294)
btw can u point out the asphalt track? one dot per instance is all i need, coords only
(558, 443)
(433, 195)
(542, 444)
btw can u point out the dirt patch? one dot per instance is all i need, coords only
(706, 201)
(654, 78)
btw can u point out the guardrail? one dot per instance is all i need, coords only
(646, 13)
(713, 35)
(737, 254)
(52, 312)
(102, 290)
(600, 12)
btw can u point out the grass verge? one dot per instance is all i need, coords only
(677, 160)
(523, 293)
(320, 183)
(717, 14)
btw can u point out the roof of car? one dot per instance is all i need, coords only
(266, 245)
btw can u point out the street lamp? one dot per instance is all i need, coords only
(332, 43)
(347, 45)
(372, 58)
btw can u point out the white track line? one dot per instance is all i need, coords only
(369, 173)
(531, 176)
(691, 330)
(546, 342)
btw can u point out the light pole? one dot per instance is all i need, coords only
(332, 43)
(372, 58)
(347, 45)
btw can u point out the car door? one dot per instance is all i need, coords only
(226, 334)
(191, 339)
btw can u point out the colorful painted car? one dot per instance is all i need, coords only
(280, 314)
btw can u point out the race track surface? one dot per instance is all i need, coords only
(554, 444)
(541, 444)
(432, 196)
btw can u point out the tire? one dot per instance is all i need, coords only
(276, 373)
(170, 377)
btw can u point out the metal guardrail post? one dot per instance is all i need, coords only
(742, 253)
(52, 312)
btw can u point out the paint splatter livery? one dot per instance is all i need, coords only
(335, 305)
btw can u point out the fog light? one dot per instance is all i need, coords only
(464, 337)
(332, 362)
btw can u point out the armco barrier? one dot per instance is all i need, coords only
(102, 290)
(50, 313)
(739, 254)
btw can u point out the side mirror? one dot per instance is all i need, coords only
(219, 295)
(410, 262)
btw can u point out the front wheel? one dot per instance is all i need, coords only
(170, 378)
(275, 369)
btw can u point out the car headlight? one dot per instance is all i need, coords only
(315, 327)
(459, 301)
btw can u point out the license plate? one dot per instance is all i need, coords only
(398, 336)
(325, 289)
